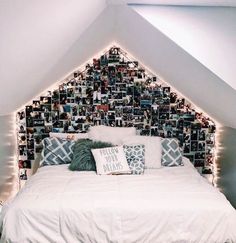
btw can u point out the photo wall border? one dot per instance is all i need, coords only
(114, 90)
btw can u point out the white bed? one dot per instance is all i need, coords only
(163, 205)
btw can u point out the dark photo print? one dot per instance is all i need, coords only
(24, 164)
(194, 146)
(198, 163)
(194, 135)
(36, 105)
(23, 174)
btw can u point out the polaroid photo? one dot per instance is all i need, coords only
(22, 139)
(186, 148)
(173, 97)
(58, 124)
(180, 103)
(209, 159)
(164, 116)
(36, 105)
(24, 164)
(28, 111)
(65, 116)
(63, 99)
(22, 129)
(189, 117)
(30, 143)
(200, 155)
(30, 154)
(194, 134)
(55, 95)
(62, 88)
(196, 126)
(210, 139)
(145, 132)
(70, 92)
(38, 123)
(207, 170)
(22, 152)
(194, 146)
(199, 163)
(154, 131)
(145, 104)
(45, 100)
(23, 174)
(21, 114)
(201, 146)
(202, 135)
(187, 137)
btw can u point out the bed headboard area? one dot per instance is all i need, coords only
(114, 90)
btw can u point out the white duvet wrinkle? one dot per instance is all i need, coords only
(164, 205)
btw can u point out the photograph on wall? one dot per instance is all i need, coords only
(117, 92)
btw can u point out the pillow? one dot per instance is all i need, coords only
(82, 158)
(56, 151)
(152, 149)
(171, 154)
(135, 155)
(111, 161)
(110, 134)
(68, 136)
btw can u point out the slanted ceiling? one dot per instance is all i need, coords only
(43, 41)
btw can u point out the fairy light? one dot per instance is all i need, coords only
(11, 158)
(160, 81)
(218, 147)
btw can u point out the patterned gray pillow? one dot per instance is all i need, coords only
(171, 154)
(135, 155)
(56, 151)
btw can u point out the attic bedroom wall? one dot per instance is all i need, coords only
(92, 41)
(206, 33)
(37, 36)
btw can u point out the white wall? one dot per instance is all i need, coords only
(35, 55)
(206, 33)
(176, 66)
(35, 35)
(8, 163)
(94, 39)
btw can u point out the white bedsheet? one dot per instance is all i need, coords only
(163, 205)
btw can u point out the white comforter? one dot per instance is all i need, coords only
(164, 205)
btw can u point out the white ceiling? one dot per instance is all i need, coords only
(225, 3)
(208, 34)
(35, 35)
(42, 41)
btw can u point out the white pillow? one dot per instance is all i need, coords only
(111, 160)
(112, 135)
(69, 136)
(153, 149)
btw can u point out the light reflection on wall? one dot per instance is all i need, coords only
(9, 182)
(218, 148)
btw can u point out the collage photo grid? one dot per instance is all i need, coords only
(118, 92)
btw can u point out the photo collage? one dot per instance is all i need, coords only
(115, 91)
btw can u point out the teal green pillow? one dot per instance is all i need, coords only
(83, 159)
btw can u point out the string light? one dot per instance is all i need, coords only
(159, 81)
